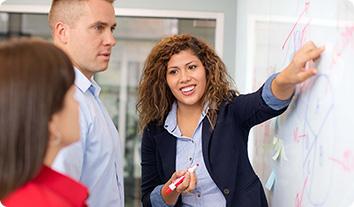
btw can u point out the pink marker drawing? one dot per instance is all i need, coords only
(346, 162)
(297, 135)
(300, 195)
(307, 5)
(179, 180)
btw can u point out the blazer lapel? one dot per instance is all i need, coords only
(206, 136)
(166, 144)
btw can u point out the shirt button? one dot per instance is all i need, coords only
(198, 195)
(226, 191)
(190, 158)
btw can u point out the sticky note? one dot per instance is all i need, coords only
(279, 149)
(276, 147)
(270, 181)
(283, 154)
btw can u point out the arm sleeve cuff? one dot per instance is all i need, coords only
(156, 197)
(269, 98)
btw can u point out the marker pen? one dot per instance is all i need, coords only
(179, 180)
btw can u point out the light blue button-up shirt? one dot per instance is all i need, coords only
(189, 153)
(96, 160)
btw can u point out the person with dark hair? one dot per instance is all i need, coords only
(190, 115)
(38, 116)
(84, 30)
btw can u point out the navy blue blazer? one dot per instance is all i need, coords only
(224, 151)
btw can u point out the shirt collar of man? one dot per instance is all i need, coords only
(85, 84)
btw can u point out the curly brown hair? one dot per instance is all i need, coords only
(155, 98)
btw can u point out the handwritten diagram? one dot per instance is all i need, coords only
(317, 128)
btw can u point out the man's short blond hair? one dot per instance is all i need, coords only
(66, 11)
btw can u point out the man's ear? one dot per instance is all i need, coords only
(61, 32)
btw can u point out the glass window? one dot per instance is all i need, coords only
(4, 18)
(135, 38)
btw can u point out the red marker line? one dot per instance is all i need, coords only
(307, 4)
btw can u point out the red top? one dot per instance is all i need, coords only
(49, 189)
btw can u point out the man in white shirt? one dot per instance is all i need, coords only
(84, 30)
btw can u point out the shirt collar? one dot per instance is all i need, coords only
(171, 119)
(85, 84)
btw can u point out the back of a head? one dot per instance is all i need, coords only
(34, 78)
(66, 11)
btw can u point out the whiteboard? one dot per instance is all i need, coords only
(315, 140)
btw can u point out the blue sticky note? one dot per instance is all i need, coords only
(270, 181)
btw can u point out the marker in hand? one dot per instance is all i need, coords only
(179, 180)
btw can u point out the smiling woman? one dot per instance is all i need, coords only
(191, 115)
(187, 79)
